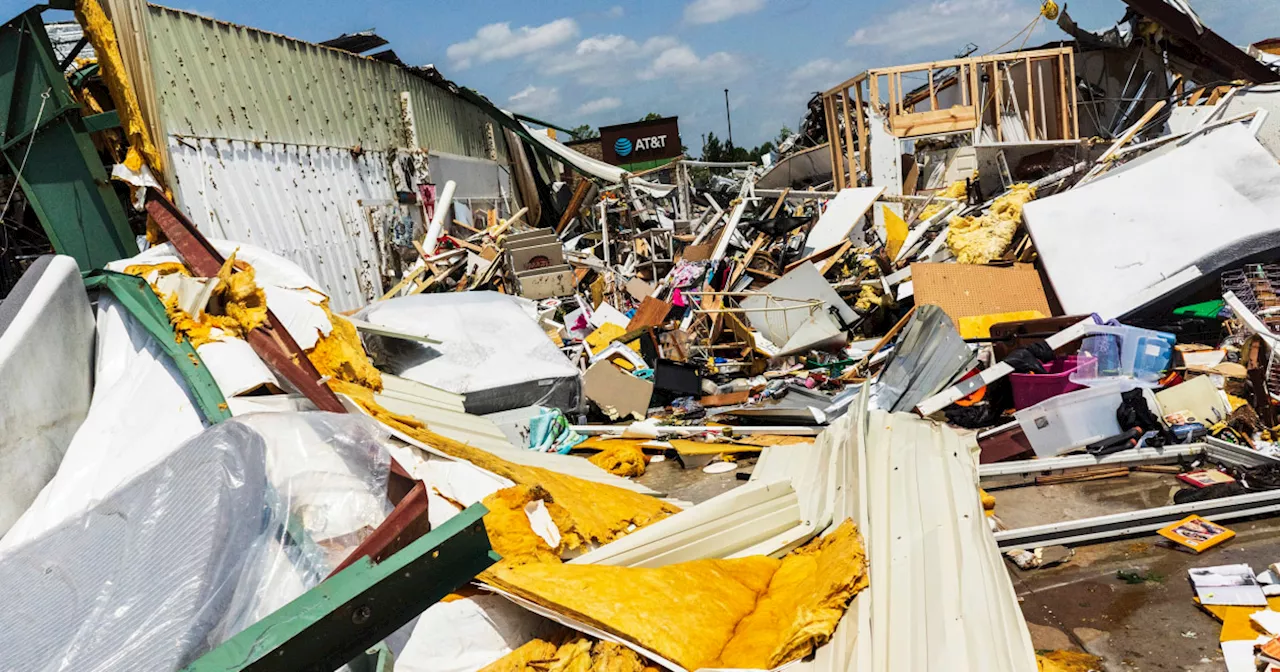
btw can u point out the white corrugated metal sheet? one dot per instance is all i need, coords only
(940, 597)
(303, 203)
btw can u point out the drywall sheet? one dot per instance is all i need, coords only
(1202, 205)
(964, 290)
(841, 215)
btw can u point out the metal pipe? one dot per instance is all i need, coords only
(437, 220)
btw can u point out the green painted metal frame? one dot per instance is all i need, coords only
(52, 153)
(135, 295)
(340, 619)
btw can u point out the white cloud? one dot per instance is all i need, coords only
(681, 64)
(606, 60)
(535, 100)
(497, 41)
(822, 73)
(947, 22)
(715, 11)
(598, 105)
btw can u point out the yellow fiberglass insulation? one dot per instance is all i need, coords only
(958, 189)
(577, 654)
(978, 240)
(340, 354)
(749, 613)
(620, 460)
(102, 35)
(508, 525)
(595, 513)
(1068, 661)
(236, 306)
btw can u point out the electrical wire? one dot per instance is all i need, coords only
(17, 177)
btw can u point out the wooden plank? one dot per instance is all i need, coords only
(726, 399)
(1031, 102)
(937, 121)
(884, 340)
(1064, 119)
(835, 258)
(1095, 475)
(777, 205)
(651, 313)
(837, 169)
(998, 95)
(848, 139)
(863, 153)
(933, 93)
(1075, 101)
(957, 62)
(575, 204)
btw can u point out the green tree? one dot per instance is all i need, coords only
(651, 116)
(783, 134)
(584, 132)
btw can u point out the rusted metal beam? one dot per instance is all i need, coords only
(272, 341)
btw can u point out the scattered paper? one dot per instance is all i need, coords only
(1227, 585)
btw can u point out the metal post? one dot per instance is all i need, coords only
(728, 118)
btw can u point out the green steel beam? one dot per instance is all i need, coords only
(135, 295)
(340, 619)
(101, 122)
(45, 143)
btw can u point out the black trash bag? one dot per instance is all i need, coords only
(1134, 412)
(1215, 491)
(1031, 358)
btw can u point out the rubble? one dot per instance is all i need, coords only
(434, 387)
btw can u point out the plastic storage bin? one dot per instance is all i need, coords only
(1030, 389)
(1123, 353)
(1073, 419)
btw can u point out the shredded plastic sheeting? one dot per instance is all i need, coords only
(102, 35)
(227, 528)
(751, 613)
(620, 460)
(578, 654)
(979, 240)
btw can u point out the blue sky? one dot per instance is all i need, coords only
(610, 62)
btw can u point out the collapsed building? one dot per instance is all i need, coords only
(336, 364)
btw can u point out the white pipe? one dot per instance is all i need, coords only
(437, 220)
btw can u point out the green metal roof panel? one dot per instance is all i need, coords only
(220, 80)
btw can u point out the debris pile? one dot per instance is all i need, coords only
(520, 404)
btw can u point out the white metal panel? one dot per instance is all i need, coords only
(303, 203)
(940, 598)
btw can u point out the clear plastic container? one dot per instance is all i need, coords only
(1116, 353)
(1074, 419)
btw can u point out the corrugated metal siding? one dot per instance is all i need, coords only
(304, 203)
(940, 597)
(220, 80)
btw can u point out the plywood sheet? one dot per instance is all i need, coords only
(964, 290)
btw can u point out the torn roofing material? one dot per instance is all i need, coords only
(1201, 45)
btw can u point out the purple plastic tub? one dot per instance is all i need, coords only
(1030, 389)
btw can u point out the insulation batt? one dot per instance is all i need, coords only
(749, 613)
(979, 240)
(578, 654)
